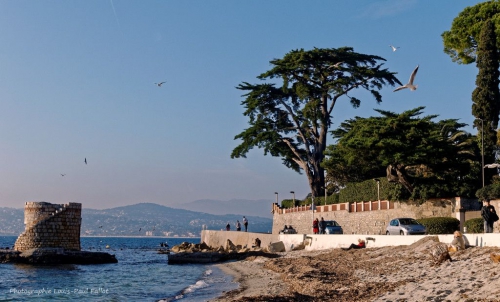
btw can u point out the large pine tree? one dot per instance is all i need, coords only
(486, 96)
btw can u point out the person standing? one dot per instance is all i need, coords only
(315, 226)
(245, 223)
(322, 226)
(489, 216)
(228, 227)
(238, 225)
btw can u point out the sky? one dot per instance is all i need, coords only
(77, 81)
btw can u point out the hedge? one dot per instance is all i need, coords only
(440, 225)
(474, 225)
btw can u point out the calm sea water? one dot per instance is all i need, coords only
(141, 274)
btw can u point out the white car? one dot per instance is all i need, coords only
(405, 226)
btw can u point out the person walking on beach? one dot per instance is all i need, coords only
(238, 225)
(315, 226)
(322, 226)
(489, 216)
(245, 223)
(228, 227)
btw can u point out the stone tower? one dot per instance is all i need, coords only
(50, 225)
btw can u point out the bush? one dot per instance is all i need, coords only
(440, 225)
(474, 225)
(489, 192)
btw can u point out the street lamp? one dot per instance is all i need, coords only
(276, 197)
(325, 186)
(482, 150)
(293, 197)
(312, 208)
(378, 188)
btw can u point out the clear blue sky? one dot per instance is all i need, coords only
(77, 81)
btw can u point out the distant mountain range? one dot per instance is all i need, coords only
(261, 208)
(143, 219)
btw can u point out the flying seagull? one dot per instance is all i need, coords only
(410, 82)
(394, 48)
(63, 174)
(495, 165)
(336, 65)
(159, 84)
(85, 160)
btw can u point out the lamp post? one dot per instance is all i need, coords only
(312, 208)
(276, 197)
(325, 187)
(482, 150)
(378, 188)
(293, 197)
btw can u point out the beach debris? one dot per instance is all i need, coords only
(439, 253)
(276, 247)
(495, 257)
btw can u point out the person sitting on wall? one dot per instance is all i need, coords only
(458, 242)
(361, 245)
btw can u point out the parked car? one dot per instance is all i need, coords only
(405, 226)
(332, 227)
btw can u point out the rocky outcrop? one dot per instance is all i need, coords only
(54, 256)
(202, 253)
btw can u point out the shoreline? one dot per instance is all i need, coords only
(401, 273)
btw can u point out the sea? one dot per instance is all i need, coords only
(141, 274)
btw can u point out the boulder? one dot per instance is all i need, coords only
(276, 247)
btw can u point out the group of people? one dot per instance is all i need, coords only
(238, 225)
(319, 226)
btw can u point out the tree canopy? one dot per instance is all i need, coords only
(427, 158)
(461, 41)
(486, 96)
(290, 114)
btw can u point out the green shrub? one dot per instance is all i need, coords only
(288, 203)
(489, 192)
(440, 225)
(474, 225)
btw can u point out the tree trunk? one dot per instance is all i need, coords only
(398, 174)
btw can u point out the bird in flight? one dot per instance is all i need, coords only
(85, 160)
(409, 85)
(336, 65)
(159, 84)
(63, 174)
(394, 48)
(495, 165)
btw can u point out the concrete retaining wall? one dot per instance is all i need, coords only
(359, 218)
(322, 242)
(215, 239)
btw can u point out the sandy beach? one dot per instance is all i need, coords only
(401, 273)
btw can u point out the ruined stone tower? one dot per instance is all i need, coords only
(50, 225)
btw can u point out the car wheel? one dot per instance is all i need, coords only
(401, 233)
(387, 233)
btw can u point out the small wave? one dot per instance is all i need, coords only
(208, 272)
(199, 284)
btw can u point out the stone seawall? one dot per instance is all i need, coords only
(50, 226)
(363, 218)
